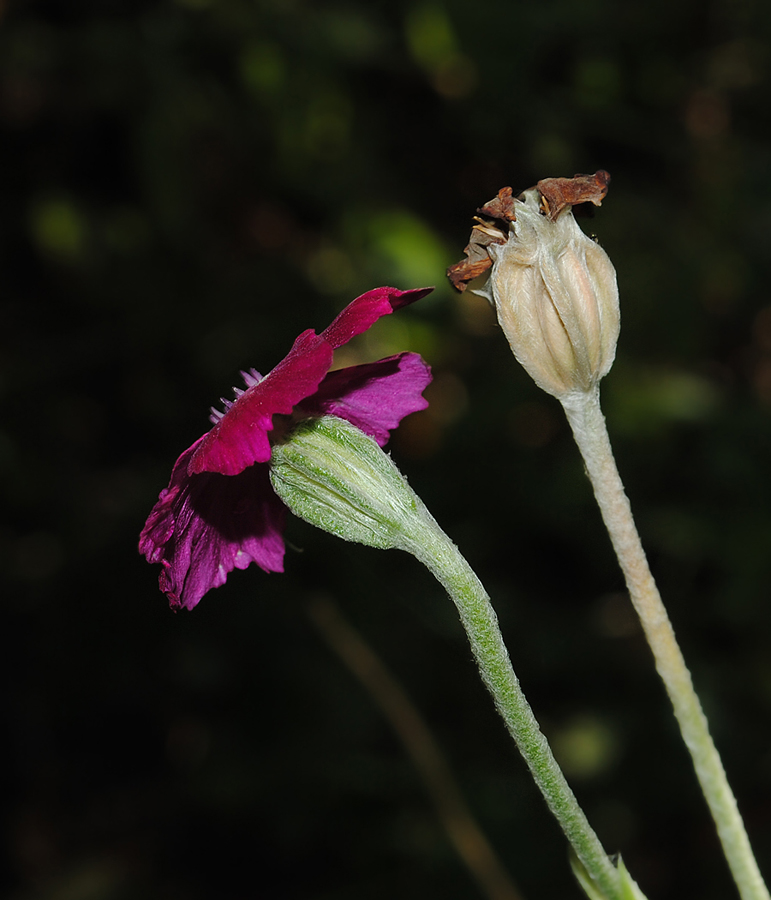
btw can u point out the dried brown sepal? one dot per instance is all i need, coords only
(557, 193)
(495, 217)
(493, 225)
(476, 262)
(501, 208)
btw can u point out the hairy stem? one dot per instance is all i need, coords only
(334, 476)
(437, 552)
(451, 808)
(588, 424)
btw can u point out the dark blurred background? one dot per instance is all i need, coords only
(184, 187)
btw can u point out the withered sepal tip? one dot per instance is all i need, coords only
(494, 218)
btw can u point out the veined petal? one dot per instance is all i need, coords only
(204, 526)
(374, 397)
(240, 437)
(219, 511)
(365, 310)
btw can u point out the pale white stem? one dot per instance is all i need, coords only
(588, 424)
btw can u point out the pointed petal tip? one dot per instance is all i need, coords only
(365, 310)
(404, 298)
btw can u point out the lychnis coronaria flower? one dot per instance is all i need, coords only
(219, 511)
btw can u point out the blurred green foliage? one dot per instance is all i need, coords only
(185, 187)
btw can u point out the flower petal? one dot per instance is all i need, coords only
(219, 511)
(240, 437)
(204, 526)
(365, 310)
(374, 397)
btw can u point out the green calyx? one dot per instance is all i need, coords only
(334, 476)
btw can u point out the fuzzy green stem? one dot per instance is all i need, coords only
(588, 424)
(437, 552)
(337, 478)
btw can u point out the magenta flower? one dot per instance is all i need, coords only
(219, 511)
